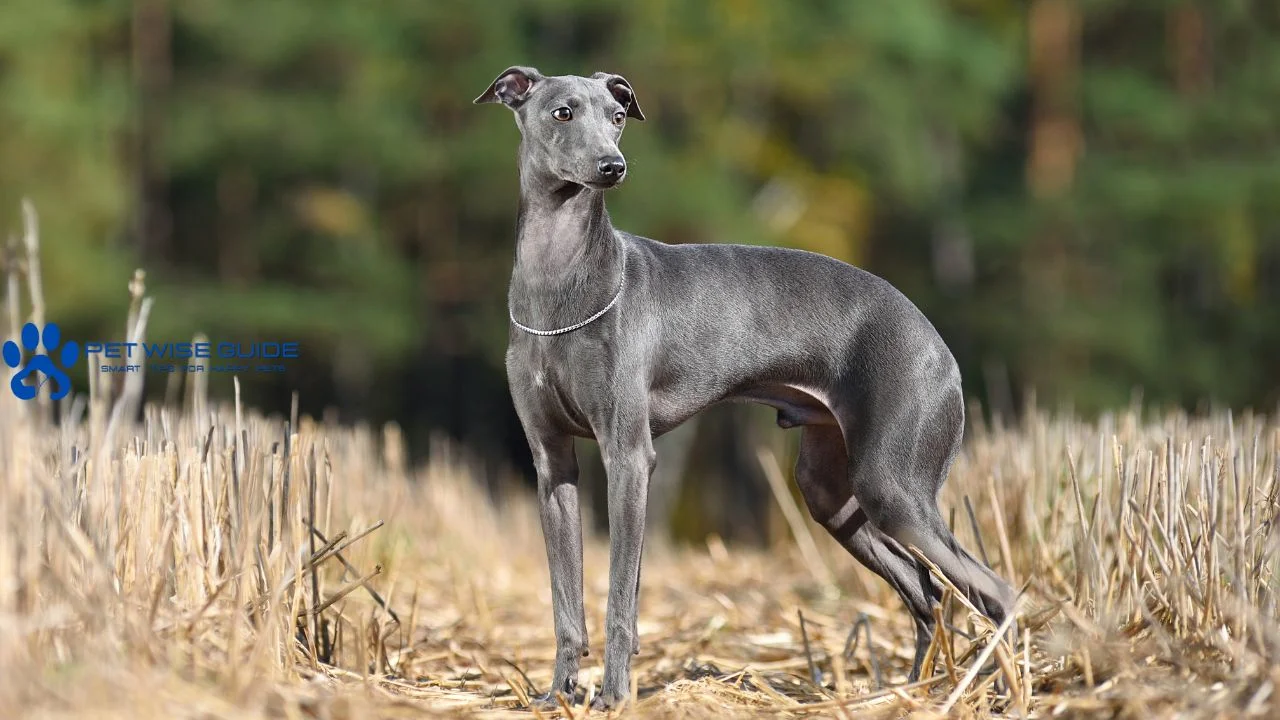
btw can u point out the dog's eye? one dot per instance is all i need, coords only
(563, 114)
(619, 118)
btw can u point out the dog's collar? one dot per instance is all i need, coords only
(571, 328)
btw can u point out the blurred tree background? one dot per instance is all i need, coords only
(1083, 195)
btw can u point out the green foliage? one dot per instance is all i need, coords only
(321, 173)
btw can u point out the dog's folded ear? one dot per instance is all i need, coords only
(511, 87)
(622, 92)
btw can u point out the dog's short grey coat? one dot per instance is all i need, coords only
(836, 350)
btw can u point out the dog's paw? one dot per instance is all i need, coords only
(551, 700)
(602, 703)
(546, 701)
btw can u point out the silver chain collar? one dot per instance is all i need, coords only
(571, 328)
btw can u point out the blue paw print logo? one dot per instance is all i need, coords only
(41, 364)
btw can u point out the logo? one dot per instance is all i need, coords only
(41, 364)
(129, 357)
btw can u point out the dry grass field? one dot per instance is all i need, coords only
(213, 563)
(209, 562)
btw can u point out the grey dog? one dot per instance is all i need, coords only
(621, 338)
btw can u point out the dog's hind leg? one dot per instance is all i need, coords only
(822, 474)
(903, 457)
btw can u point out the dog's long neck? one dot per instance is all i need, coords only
(568, 259)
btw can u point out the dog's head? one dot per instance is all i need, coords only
(571, 125)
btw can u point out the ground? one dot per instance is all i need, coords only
(170, 569)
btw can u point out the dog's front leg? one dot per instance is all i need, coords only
(629, 461)
(557, 469)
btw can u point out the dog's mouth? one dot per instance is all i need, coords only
(573, 185)
(604, 184)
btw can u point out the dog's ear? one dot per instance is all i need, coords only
(511, 87)
(622, 92)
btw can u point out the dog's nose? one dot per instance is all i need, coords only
(612, 167)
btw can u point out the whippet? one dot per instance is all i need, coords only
(621, 338)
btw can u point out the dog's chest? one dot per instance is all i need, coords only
(553, 378)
